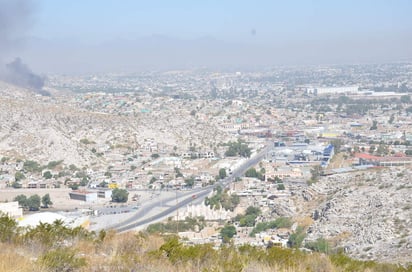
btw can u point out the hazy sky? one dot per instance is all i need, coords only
(259, 32)
(98, 20)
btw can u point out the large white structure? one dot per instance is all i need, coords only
(85, 196)
(12, 209)
(205, 211)
(35, 219)
(337, 90)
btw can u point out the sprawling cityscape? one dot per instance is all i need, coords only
(207, 146)
(231, 161)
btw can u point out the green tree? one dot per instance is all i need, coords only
(235, 200)
(74, 186)
(222, 199)
(247, 220)
(382, 150)
(32, 166)
(337, 144)
(86, 141)
(251, 173)
(190, 181)
(22, 199)
(227, 232)
(253, 211)
(152, 180)
(238, 148)
(316, 172)
(120, 195)
(178, 173)
(62, 259)
(33, 202)
(53, 164)
(8, 228)
(374, 125)
(16, 185)
(405, 99)
(281, 187)
(4, 159)
(320, 245)
(281, 222)
(46, 201)
(296, 238)
(84, 181)
(222, 173)
(19, 176)
(391, 119)
(73, 167)
(103, 184)
(278, 180)
(47, 175)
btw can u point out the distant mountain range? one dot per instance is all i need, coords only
(159, 52)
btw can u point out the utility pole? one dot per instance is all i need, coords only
(177, 214)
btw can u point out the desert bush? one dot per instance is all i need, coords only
(61, 260)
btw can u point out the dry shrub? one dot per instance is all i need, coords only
(262, 267)
(13, 262)
(62, 260)
(150, 241)
(127, 243)
(109, 251)
(127, 252)
(318, 263)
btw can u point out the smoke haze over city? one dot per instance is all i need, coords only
(215, 135)
(102, 36)
(15, 17)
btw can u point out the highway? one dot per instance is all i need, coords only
(137, 219)
(146, 208)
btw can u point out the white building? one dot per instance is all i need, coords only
(337, 90)
(12, 209)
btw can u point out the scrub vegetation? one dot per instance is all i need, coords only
(56, 247)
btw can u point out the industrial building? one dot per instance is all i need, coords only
(85, 196)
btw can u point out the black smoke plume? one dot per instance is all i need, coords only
(18, 73)
(15, 18)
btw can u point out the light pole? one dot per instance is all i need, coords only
(177, 213)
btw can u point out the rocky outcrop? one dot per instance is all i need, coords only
(368, 213)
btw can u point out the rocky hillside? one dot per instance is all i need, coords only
(52, 128)
(46, 130)
(368, 213)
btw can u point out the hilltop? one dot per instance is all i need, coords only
(60, 128)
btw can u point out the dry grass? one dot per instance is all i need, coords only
(139, 252)
(15, 259)
(304, 221)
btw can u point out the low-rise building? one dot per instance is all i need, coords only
(86, 196)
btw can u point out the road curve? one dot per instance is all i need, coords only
(134, 222)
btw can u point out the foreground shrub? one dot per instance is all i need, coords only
(61, 260)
